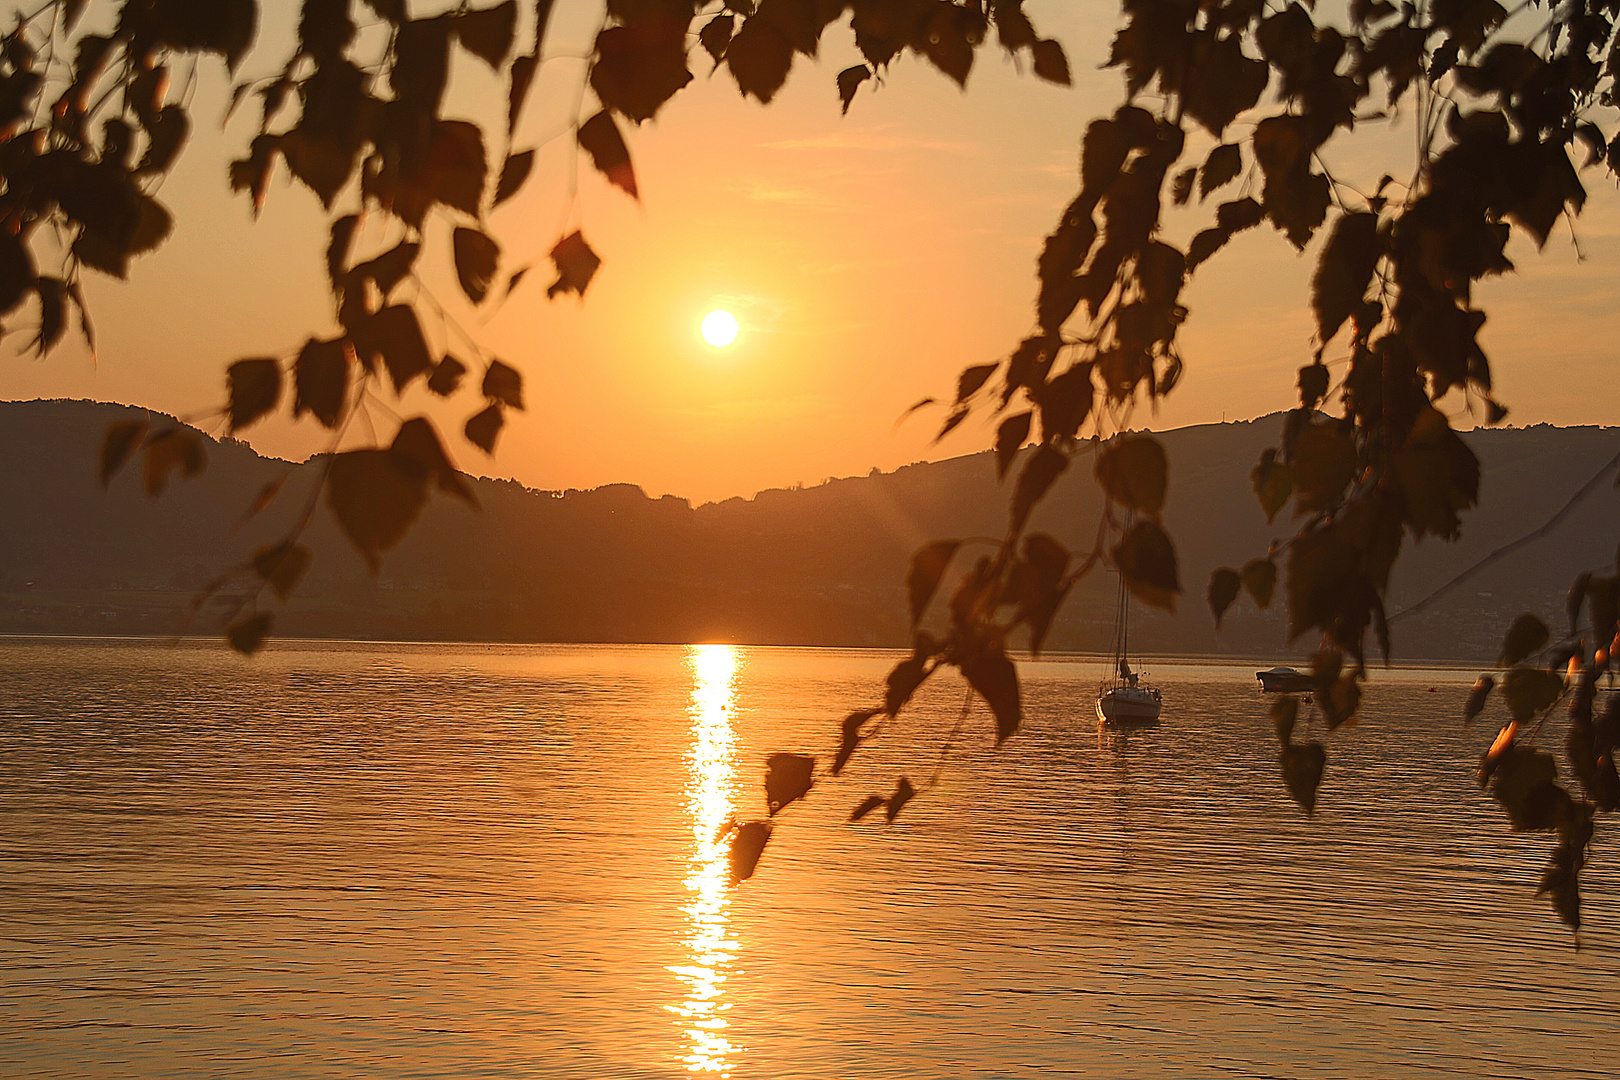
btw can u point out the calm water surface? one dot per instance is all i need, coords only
(491, 861)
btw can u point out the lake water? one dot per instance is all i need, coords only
(344, 860)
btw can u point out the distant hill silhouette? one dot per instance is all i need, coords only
(811, 566)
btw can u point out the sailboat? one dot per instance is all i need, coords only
(1124, 700)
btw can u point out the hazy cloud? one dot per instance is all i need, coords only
(872, 140)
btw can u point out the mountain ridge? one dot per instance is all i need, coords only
(822, 565)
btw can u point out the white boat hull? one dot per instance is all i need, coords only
(1284, 680)
(1129, 706)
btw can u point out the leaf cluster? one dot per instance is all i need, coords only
(1524, 778)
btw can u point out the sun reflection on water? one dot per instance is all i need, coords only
(709, 944)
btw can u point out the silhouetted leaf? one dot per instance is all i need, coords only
(226, 27)
(601, 139)
(576, 264)
(1525, 783)
(1340, 700)
(1260, 580)
(1010, 437)
(1065, 402)
(522, 77)
(167, 132)
(759, 57)
(989, 671)
(1181, 187)
(374, 500)
(1147, 558)
(1343, 272)
(957, 414)
(488, 33)
(1302, 767)
(253, 387)
(446, 377)
(476, 257)
(1323, 464)
(321, 380)
(391, 10)
(390, 268)
(715, 37)
(247, 635)
(1043, 467)
(1204, 245)
(337, 248)
(166, 451)
(1437, 475)
(1313, 384)
(1477, 697)
(1575, 598)
(1224, 586)
(1050, 63)
(416, 449)
(1013, 29)
(121, 440)
(928, 565)
(1220, 168)
(1525, 637)
(514, 170)
(1226, 82)
(641, 64)
(1284, 715)
(1273, 483)
(482, 429)
(457, 167)
(1603, 605)
(282, 566)
(1499, 746)
(1134, 472)
(503, 383)
(53, 293)
(421, 63)
(1041, 585)
(322, 164)
(903, 681)
(325, 29)
(946, 38)
(787, 779)
(852, 735)
(138, 225)
(922, 404)
(903, 793)
(252, 173)
(866, 806)
(395, 334)
(1239, 214)
(1530, 691)
(747, 845)
(1560, 881)
(849, 80)
(972, 379)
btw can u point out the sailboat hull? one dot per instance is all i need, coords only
(1129, 706)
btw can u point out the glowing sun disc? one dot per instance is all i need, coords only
(719, 328)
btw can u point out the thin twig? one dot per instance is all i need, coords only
(1507, 549)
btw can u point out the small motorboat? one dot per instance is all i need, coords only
(1285, 680)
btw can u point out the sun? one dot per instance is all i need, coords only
(719, 328)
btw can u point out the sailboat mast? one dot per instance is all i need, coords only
(1124, 621)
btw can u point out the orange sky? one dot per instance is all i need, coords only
(869, 257)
